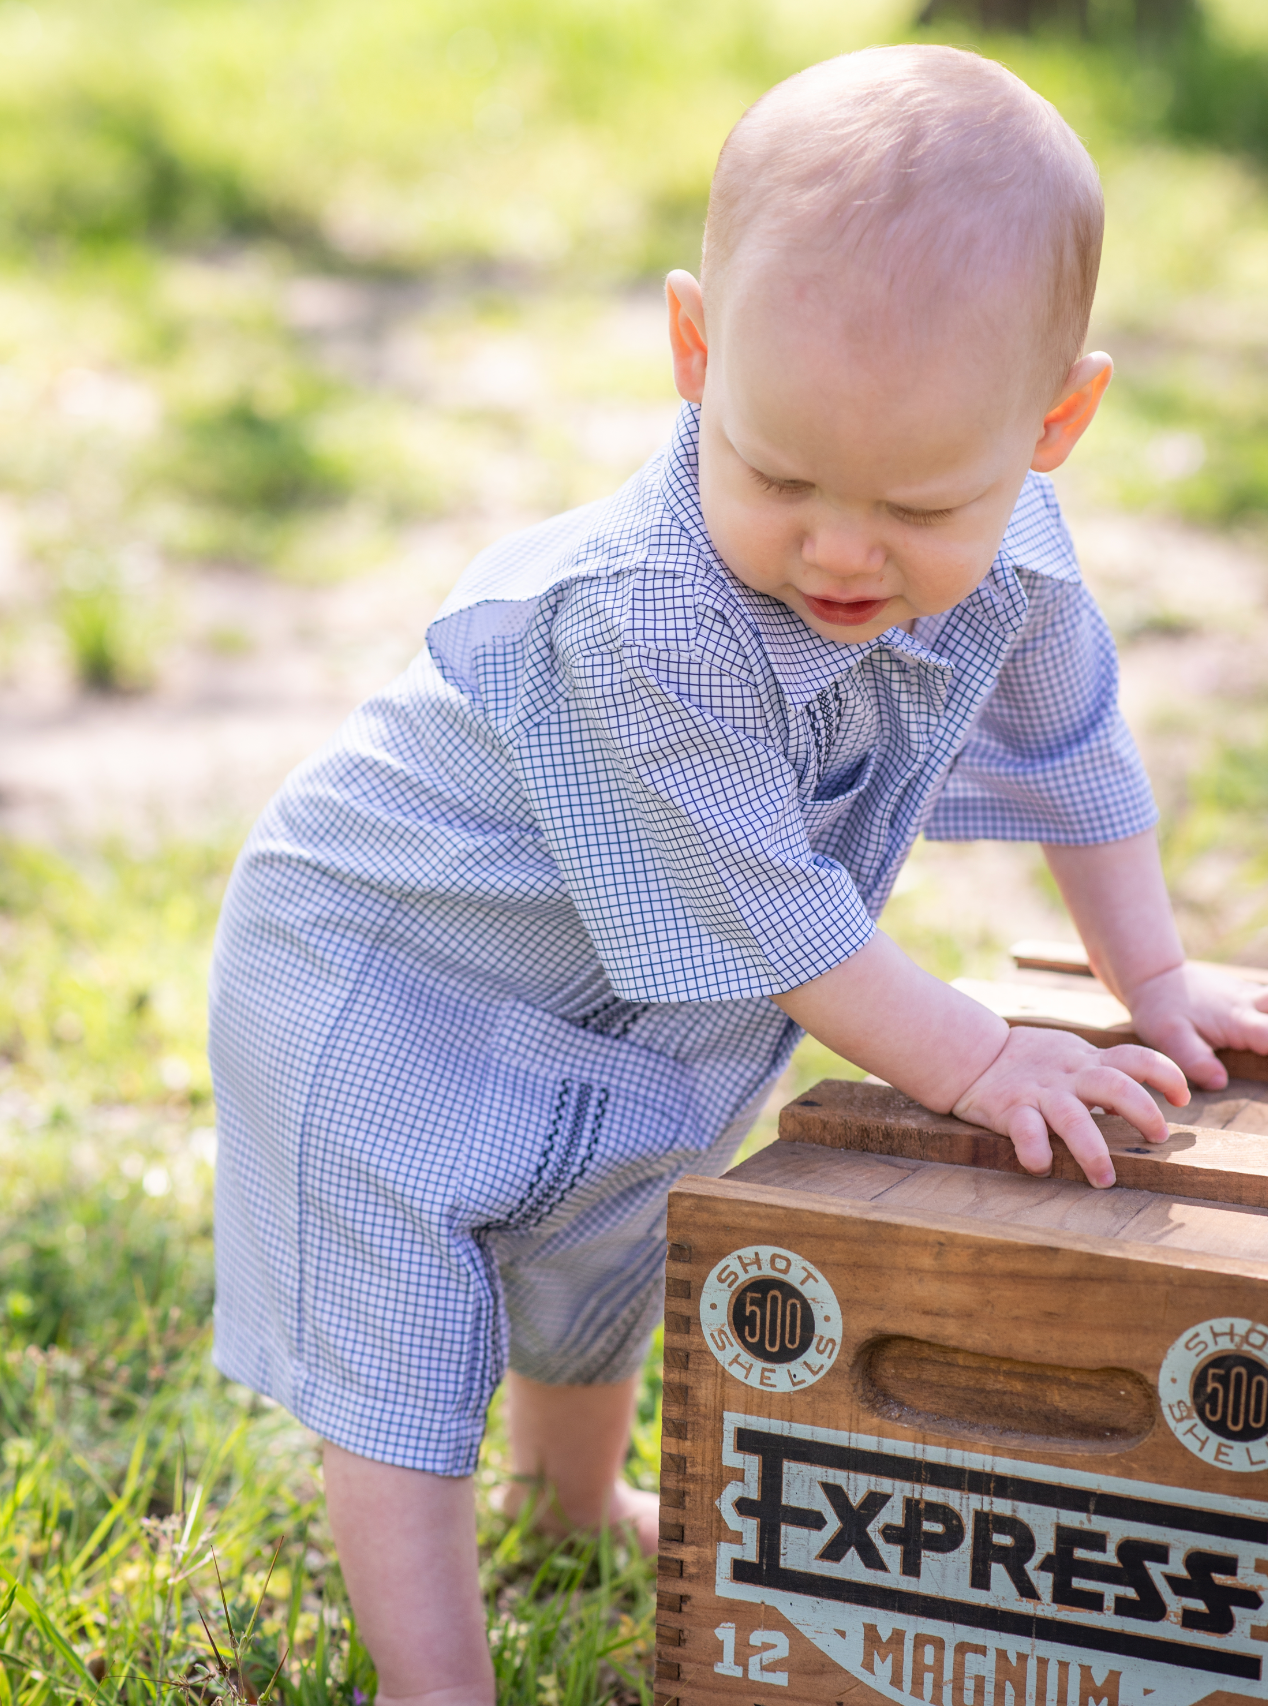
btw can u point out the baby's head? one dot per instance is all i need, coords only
(900, 257)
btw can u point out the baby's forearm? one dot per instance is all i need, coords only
(879, 1010)
(1118, 900)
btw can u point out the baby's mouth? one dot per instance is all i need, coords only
(853, 614)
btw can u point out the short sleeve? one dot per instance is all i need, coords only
(673, 815)
(1049, 757)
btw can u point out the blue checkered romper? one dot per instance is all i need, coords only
(493, 966)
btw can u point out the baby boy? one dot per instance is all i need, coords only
(532, 936)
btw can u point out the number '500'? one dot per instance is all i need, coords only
(772, 1319)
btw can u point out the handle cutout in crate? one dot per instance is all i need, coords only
(938, 1389)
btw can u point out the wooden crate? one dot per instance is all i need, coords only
(938, 1431)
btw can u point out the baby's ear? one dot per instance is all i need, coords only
(1065, 425)
(686, 334)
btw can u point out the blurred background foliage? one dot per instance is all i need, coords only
(281, 284)
(518, 132)
(174, 172)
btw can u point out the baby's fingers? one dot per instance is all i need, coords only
(1111, 1089)
(1164, 1071)
(1253, 1030)
(1028, 1132)
(1075, 1126)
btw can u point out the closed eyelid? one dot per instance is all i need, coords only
(770, 484)
(919, 517)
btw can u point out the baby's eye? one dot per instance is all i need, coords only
(790, 488)
(920, 517)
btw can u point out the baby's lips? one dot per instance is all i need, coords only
(852, 613)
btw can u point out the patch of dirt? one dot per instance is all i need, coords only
(259, 674)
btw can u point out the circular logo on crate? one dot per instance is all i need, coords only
(771, 1319)
(1213, 1384)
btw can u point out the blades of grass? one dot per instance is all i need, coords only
(191, 1516)
(26, 1486)
(176, 1556)
(250, 1628)
(152, 1340)
(317, 1676)
(296, 1604)
(118, 1505)
(263, 1695)
(220, 1588)
(56, 1638)
(193, 1569)
(221, 1665)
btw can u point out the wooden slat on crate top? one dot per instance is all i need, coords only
(1196, 1161)
(1085, 1010)
(1071, 957)
(1143, 1217)
(1081, 1004)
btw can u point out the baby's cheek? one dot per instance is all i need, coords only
(942, 579)
(759, 555)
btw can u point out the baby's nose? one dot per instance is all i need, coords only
(844, 550)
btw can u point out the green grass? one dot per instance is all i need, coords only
(1213, 845)
(526, 131)
(129, 1469)
(102, 1002)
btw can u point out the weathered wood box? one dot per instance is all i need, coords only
(938, 1431)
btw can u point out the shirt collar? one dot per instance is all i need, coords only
(804, 662)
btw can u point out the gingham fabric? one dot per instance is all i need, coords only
(493, 967)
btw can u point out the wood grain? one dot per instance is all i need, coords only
(1071, 957)
(1143, 1217)
(948, 1318)
(1215, 1165)
(1032, 954)
(1085, 1010)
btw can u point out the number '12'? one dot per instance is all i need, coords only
(774, 1645)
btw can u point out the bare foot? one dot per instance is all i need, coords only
(639, 1511)
(627, 1507)
(462, 1695)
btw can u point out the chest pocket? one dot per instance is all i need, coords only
(823, 811)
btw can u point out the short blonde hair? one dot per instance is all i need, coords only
(933, 169)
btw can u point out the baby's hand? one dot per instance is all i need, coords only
(1050, 1078)
(1191, 1011)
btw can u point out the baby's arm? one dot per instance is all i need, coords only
(881, 1011)
(1118, 900)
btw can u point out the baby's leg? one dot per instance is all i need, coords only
(568, 1446)
(407, 1546)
